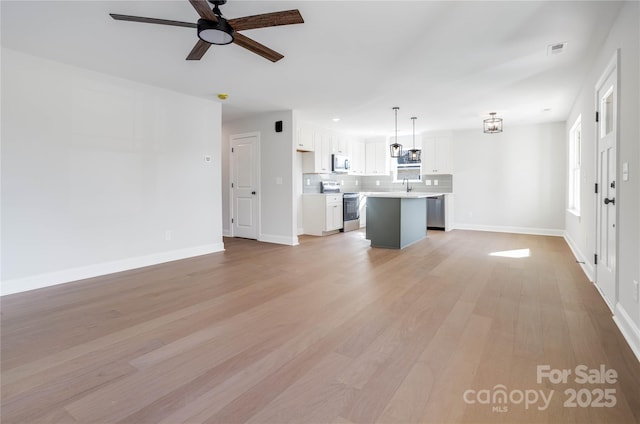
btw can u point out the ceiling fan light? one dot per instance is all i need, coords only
(219, 33)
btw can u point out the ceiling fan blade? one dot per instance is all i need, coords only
(287, 17)
(151, 20)
(198, 50)
(255, 47)
(204, 10)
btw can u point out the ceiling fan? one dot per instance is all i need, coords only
(213, 28)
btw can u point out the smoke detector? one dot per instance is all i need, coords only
(556, 48)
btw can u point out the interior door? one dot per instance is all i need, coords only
(244, 185)
(607, 95)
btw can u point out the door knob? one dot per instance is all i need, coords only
(612, 201)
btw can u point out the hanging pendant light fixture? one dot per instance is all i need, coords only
(414, 154)
(395, 148)
(493, 125)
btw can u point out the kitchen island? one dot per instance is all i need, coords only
(396, 220)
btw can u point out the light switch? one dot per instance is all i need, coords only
(427, 182)
(278, 180)
(625, 171)
(308, 181)
(435, 182)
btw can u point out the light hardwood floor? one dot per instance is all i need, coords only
(330, 331)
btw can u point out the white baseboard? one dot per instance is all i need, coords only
(506, 229)
(19, 285)
(586, 265)
(628, 328)
(289, 241)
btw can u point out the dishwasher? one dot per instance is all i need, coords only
(435, 212)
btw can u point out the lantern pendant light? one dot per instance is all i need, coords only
(395, 148)
(492, 125)
(414, 154)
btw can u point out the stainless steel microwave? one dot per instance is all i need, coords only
(340, 163)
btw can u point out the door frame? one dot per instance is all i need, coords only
(232, 165)
(613, 67)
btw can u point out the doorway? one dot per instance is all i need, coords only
(606, 168)
(245, 183)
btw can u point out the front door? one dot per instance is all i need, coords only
(244, 185)
(607, 97)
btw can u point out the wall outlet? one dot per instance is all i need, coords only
(435, 182)
(168, 235)
(377, 182)
(308, 181)
(427, 182)
(278, 180)
(636, 291)
(341, 182)
(356, 182)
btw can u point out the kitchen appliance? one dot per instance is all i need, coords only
(351, 211)
(435, 212)
(329, 187)
(340, 163)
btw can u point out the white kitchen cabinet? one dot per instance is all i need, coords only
(340, 145)
(376, 161)
(318, 161)
(357, 156)
(322, 213)
(436, 156)
(304, 142)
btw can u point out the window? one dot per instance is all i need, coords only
(575, 136)
(405, 170)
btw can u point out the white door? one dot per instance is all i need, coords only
(607, 97)
(244, 185)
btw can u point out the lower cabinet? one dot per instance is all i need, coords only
(322, 213)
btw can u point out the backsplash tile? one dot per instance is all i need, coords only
(356, 183)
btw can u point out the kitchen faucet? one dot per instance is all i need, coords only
(409, 188)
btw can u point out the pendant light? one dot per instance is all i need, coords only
(414, 154)
(395, 148)
(492, 125)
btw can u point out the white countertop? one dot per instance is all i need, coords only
(402, 194)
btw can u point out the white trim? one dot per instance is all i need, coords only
(586, 265)
(629, 329)
(505, 229)
(270, 238)
(19, 285)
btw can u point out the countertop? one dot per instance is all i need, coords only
(403, 194)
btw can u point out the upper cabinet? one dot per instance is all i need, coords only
(304, 141)
(376, 161)
(358, 158)
(319, 160)
(436, 155)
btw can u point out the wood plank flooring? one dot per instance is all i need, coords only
(330, 331)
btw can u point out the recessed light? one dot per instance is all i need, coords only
(547, 109)
(336, 119)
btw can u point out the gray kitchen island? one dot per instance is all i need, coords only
(396, 220)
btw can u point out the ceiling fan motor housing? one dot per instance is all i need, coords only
(215, 32)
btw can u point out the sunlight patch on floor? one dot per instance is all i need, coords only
(516, 253)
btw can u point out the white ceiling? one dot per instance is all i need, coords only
(449, 63)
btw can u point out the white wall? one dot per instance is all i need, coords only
(96, 170)
(511, 181)
(277, 155)
(625, 35)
